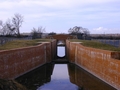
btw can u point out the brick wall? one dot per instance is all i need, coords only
(85, 80)
(54, 49)
(14, 63)
(101, 63)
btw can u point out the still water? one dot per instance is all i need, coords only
(62, 77)
(59, 80)
(61, 51)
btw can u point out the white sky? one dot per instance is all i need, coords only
(99, 16)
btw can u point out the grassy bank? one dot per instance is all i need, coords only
(94, 44)
(22, 43)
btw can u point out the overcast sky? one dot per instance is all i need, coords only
(99, 16)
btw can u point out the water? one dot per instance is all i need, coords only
(85, 80)
(59, 80)
(62, 77)
(61, 51)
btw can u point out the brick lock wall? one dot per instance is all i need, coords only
(101, 63)
(14, 63)
(85, 80)
(54, 49)
(67, 49)
(48, 49)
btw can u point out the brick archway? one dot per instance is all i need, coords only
(61, 38)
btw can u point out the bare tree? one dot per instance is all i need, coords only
(37, 32)
(7, 28)
(3, 30)
(1, 22)
(79, 31)
(76, 30)
(17, 21)
(1, 27)
(10, 28)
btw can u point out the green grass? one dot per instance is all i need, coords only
(27, 43)
(22, 43)
(94, 44)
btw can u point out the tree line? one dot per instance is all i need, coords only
(12, 26)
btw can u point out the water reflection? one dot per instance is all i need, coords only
(63, 77)
(59, 80)
(37, 77)
(60, 51)
(85, 80)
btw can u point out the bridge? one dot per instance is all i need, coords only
(61, 37)
(61, 42)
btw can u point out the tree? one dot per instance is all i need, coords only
(17, 21)
(6, 29)
(37, 32)
(52, 33)
(81, 32)
(12, 26)
(1, 22)
(3, 28)
(75, 30)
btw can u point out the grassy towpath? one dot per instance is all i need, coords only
(22, 43)
(95, 44)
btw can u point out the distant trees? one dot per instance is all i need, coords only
(106, 36)
(37, 32)
(82, 33)
(52, 33)
(12, 26)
